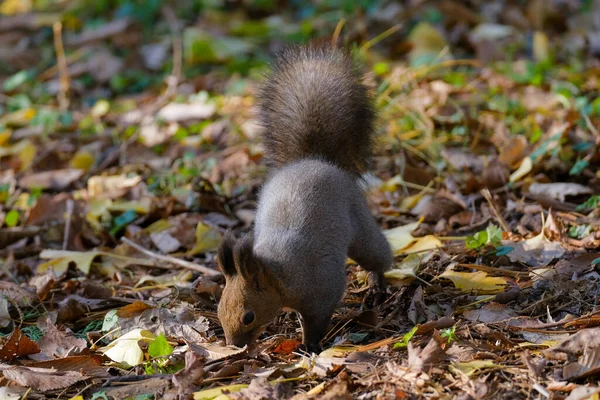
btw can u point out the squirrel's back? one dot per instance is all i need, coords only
(315, 106)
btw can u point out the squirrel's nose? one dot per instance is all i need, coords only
(239, 341)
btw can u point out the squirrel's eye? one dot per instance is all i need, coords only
(248, 318)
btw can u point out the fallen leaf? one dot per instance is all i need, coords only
(524, 168)
(179, 322)
(181, 112)
(111, 185)
(491, 312)
(428, 242)
(287, 347)
(57, 344)
(538, 251)
(213, 351)
(210, 394)
(126, 349)
(475, 281)
(558, 191)
(133, 309)
(400, 237)
(56, 180)
(17, 345)
(422, 360)
(42, 379)
(165, 242)
(207, 239)
(406, 270)
(61, 259)
(471, 367)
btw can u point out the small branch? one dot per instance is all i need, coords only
(70, 206)
(63, 100)
(494, 207)
(186, 264)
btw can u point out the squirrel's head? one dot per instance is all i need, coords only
(250, 299)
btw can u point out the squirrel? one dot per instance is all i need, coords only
(317, 118)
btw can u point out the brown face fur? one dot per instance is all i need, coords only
(249, 300)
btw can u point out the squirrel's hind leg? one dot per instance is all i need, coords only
(371, 250)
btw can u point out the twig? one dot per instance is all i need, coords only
(337, 31)
(590, 126)
(70, 206)
(494, 207)
(186, 264)
(63, 100)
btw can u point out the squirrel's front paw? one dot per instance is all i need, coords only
(377, 288)
(309, 348)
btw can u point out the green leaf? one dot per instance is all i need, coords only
(15, 80)
(406, 338)
(579, 166)
(122, 221)
(110, 320)
(99, 395)
(450, 334)
(160, 347)
(592, 202)
(12, 218)
(580, 231)
(477, 240)
(494, 235)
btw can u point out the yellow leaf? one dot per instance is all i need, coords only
(179, 279)
(76, 398)
(317, 389)
(541, 50)
(211, 394)
(407, 269)
(141, 206)
(101, 108)
(24, 150)
(82, 160)
(62, 258)
(98, 212)
(4, 136)
(106, 184)
(157, 226)
(524, 169)
(11, 7)
(207, 239)
(400, 237)
(18, 118)
(470, 367)
(408, 203)
(479, 281)
(421, 244)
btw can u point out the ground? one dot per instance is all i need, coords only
(129, 144)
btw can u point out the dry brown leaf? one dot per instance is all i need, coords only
(491, 312)
(422, 360)
(17, 345)
(133, 309)
(42, 379)
(559, 190)
(57, 179)
(57, 344)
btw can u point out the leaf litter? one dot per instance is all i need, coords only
(117, 184)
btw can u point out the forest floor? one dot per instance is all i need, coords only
(129, 145)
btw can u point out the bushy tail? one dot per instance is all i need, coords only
(314, 105)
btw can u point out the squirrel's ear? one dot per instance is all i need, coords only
(225, 254)
(246, 263)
